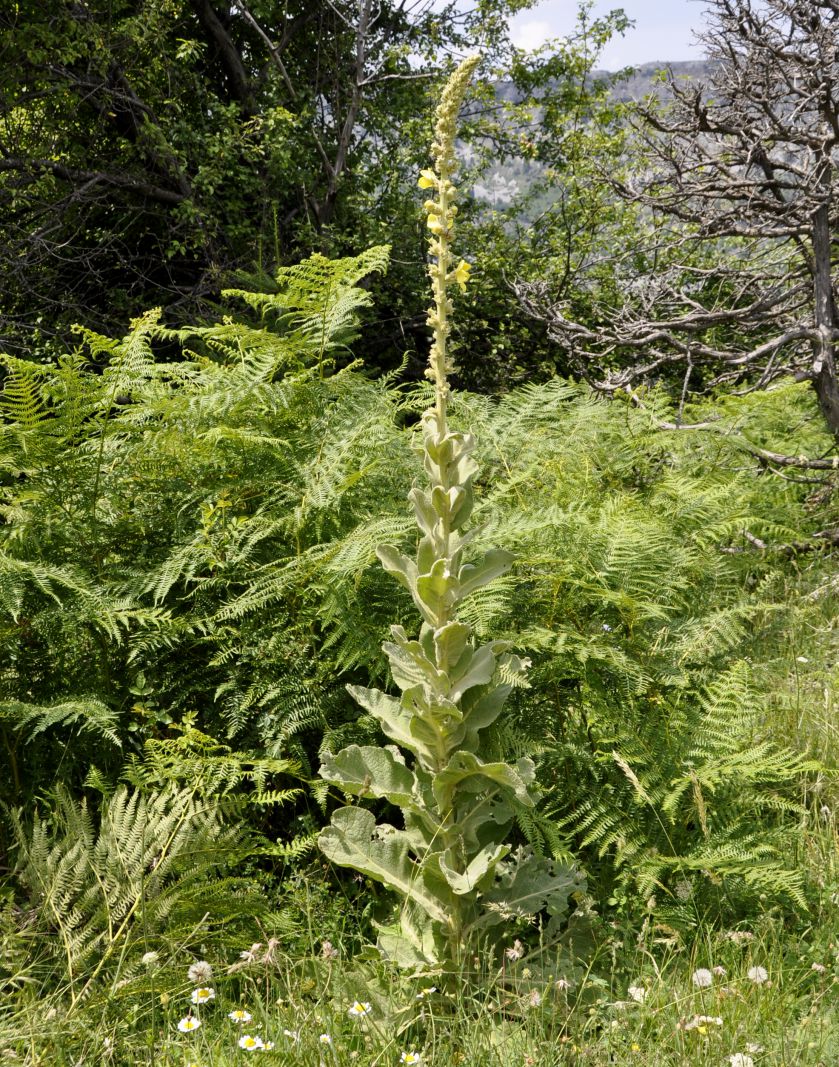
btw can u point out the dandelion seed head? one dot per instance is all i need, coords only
(702, 978)
(758, 975)
(200, 973)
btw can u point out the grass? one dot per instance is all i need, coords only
(766, 993)
(654, 984)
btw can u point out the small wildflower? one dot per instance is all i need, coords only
(702, 978)
(188, 1024)
(563, 985)
(637, 993)
(819, 968)
(251, 1042)
(328, 951)
(267, 1046)
(739, 1059)
(751, 1046)
(293, 1034)
(515, 952)
(239, 1015)
(427, 179)
(700, 1023)
(410, 1057)
(535, 998)
(359, 1009)
(325, 1039)
(423, 993)
(200, 973)
(203, 994)
(461, 274)
(740, 937)
(758, 975)
(720, 971)
(801, 659)
(149, 959)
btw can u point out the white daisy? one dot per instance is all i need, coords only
(410, 1057)
(359, 1009)
(251, 1042)
(240, 1015)
(325, 1039)
(203, 994)
(188, 1024)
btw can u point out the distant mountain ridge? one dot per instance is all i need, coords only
(646, 77)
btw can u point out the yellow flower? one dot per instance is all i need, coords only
(434, 224)
(461, 274)
(427, 179)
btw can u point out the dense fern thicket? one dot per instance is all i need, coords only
(189, 583)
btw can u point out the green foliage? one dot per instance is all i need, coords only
(150, 870)
(189, 540)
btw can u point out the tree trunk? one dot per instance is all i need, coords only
(824, 354)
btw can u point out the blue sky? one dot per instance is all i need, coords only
(663, 29)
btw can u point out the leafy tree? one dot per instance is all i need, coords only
(744, 167)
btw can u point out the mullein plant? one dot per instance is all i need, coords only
(458, 880)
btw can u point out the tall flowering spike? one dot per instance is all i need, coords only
(450, 862)
(442, 211)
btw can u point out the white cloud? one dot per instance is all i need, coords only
(530, 34)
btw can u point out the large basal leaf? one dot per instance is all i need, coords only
(352, 841)
(367, 771)
(530, 884)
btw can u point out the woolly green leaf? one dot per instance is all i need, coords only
(465, 766)
(370, 772)
(495, 563)
(528, 885)
(350, 841)
(476, 870)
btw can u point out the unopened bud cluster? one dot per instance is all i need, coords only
(441, 210)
